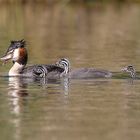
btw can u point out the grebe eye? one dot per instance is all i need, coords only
(17, 45)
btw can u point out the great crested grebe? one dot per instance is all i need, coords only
(18, 54)
(82, 73)
(131, 70)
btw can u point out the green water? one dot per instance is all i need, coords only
(102, 36)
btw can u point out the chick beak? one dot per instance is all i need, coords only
(124, 69)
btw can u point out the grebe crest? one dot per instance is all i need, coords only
(130, 69)
(65, 64)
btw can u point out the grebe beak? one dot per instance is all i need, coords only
(15, 49)
(8, 55)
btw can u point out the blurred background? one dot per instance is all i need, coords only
(103, 34)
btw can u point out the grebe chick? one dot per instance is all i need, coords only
(131, 70)
(18, 54)
(82, 73)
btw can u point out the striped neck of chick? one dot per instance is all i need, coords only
(65, 64)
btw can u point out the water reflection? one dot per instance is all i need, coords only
(19, 96)
(17, 92)
(17, 89)
(65, 83)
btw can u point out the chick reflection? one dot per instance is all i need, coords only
(65, 85)
(46, 82)
(17, 89)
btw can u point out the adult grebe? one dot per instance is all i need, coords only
(82, 73)
(18, 54)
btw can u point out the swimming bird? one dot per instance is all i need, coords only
(81, 73)
(18, 54)
(131, 70)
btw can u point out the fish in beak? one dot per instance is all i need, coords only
(7, 56)
(11, 51)
(16, 53)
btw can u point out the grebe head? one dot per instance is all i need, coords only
(16, 52)
(130, 69)
(65, 64)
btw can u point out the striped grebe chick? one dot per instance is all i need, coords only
(82, 73)
(131, 70)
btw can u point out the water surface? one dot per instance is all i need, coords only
(100, 35)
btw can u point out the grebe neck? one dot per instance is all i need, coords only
(16, 69)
